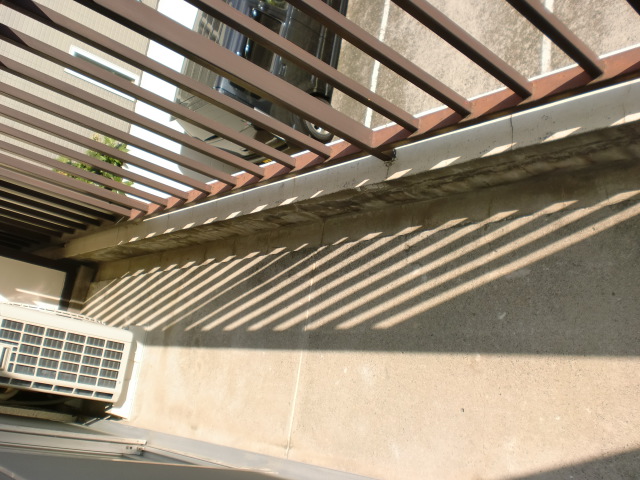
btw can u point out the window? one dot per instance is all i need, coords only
(104, 64)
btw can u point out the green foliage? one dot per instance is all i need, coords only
(110, 142)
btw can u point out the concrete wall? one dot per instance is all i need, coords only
(27, 283)
(490, 334)
(604, 26)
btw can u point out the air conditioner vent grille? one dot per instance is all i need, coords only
(62, 361)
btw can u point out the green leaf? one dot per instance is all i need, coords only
(109, 142)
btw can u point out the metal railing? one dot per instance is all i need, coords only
(39, 205)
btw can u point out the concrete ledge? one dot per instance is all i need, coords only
(584, 131)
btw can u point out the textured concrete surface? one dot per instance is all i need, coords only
(608, 26)
(489, 334)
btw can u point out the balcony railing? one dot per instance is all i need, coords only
(39, 206)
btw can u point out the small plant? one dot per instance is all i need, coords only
(109, 142)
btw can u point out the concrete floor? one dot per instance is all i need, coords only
(473, 321)
(495, 347)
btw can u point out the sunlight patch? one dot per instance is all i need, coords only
(259, 208)
(445, 163)
(561, 134)
(499, 149)
(399, 174)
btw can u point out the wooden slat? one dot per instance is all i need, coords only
(283, 47)
(88, 122)
(118, 83)
(127, 115)
(54, 177)
(50, 203)
(380, 51)
(20, 207)
(63, 24)
(565, 39)
(61, 192)
(98, 146)
(209, 54)
(461, 40)
(74, 155)
(94, 178)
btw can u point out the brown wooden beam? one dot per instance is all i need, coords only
(286, 49)
(100, 147)
(462, 41)
(159, 28)
(565, 39)
(369, 44)
(61, 23)
(62, 192)
(103, 105)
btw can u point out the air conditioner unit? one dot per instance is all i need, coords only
(63, 353)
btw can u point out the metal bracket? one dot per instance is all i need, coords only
(389, 158)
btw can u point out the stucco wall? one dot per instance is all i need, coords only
(492, 334)
(603, 26)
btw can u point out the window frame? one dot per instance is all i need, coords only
(94, 59)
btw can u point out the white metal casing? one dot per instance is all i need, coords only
(62, 353)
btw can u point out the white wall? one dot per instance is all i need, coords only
(26, 283)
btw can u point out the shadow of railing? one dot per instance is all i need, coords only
(559, 281)
(621, 466)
